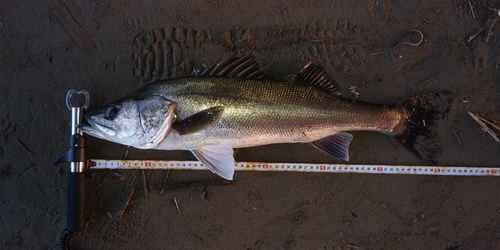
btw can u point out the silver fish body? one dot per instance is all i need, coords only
(267, 112)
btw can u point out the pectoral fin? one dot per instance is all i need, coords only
(336, 145)
(198, 121)
(219, 159)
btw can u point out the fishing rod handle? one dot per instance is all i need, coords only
(77, 197)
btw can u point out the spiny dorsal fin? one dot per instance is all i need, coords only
(315, 75)
(233, 66)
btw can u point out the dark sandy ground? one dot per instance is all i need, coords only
(110, 48)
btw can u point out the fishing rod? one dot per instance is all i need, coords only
(79, 163)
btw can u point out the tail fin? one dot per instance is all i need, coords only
(420, 136)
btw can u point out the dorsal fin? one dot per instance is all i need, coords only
(233, 66)
(315, 75)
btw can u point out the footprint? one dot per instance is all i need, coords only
(174, 51)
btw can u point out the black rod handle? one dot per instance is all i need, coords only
(77, 196)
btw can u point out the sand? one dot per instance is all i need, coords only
(111, 48)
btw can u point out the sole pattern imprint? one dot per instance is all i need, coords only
(175, 51)
(167, 52)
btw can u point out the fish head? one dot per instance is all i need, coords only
(139, 121)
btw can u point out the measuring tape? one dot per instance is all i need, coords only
(298, 167)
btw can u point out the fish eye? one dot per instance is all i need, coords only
(110, 112)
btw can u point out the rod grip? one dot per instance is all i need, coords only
(77, 196)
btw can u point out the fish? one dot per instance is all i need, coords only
(233, 104)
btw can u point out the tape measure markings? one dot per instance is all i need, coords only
(299, 167)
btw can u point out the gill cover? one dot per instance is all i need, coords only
(157, 116)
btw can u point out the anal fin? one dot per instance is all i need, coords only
(336, 145)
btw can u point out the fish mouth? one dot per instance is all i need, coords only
(97, 130)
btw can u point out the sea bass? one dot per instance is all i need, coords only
(232, 104)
